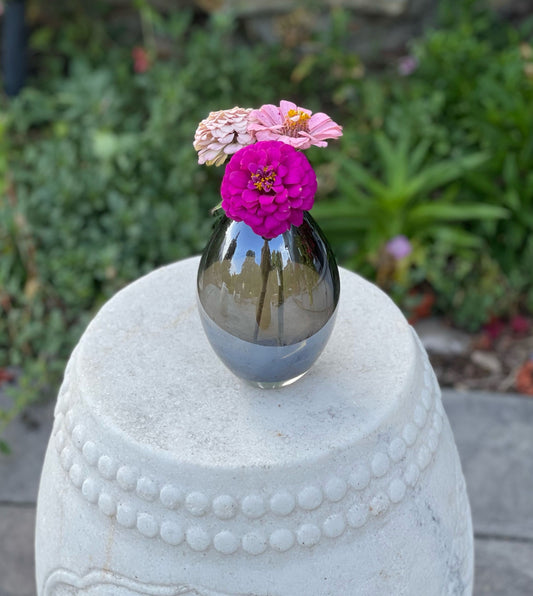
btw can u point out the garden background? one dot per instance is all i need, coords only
(99, 181)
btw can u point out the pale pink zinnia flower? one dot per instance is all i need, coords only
(295, 126)
(221, 134)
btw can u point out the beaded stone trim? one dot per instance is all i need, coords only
(316, 512)
(460, 578)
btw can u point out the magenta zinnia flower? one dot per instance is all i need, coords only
(268, 186)
(290, 124)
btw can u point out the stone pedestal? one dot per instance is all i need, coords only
(167, 475)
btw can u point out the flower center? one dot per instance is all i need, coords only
(264, 178)
(295, 121)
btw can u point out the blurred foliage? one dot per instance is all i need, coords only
(396, 195)
(102, 181)
(485, 75)
(99, 182)
(465, 107)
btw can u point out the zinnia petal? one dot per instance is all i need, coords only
(297, 218)
(238, 178)
(268, 115)
(293, 176)
(285, 106)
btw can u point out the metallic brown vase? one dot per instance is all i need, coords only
(268, 306)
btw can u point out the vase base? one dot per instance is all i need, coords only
(276, 384)
(265, 366)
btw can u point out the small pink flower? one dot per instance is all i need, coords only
(141, 61)
(221, 134)
(520, 324)
(399, 247)
(268, 186)
(494, 328)
(295, 126)
(407, 65)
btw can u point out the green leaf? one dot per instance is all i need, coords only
(458, 212)
(340, 218)
(304, 68)
(455, 236)
(395, 162)
(437, 175)
(341, 224)
(358, 175)
(4, 447)
(418, 154)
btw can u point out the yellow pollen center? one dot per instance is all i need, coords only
(295, 117)
(295, 123)
(264, 178)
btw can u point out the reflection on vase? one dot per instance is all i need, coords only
(268, 306)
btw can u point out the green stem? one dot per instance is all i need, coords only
(265, 270)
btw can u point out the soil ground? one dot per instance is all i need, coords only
(499, 359)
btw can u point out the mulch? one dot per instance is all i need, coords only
(499, 359)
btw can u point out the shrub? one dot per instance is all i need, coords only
(102, 181)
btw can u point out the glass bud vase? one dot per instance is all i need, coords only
(268, 306)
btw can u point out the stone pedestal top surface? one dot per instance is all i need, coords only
(145, 369)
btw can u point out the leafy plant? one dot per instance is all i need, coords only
(470, 287)
(403, 192)
(100, 180)
(485, 105)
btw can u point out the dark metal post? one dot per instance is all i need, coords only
(14, 47)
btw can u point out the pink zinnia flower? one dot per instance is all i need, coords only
(295, 126)
(399, 247)
(221, 134)
(268, 186)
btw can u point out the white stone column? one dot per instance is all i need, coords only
(166, 475)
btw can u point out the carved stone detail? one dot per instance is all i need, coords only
(97, 583)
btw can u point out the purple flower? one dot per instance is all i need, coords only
(407, 65)
(268, 186)
(398, 247)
